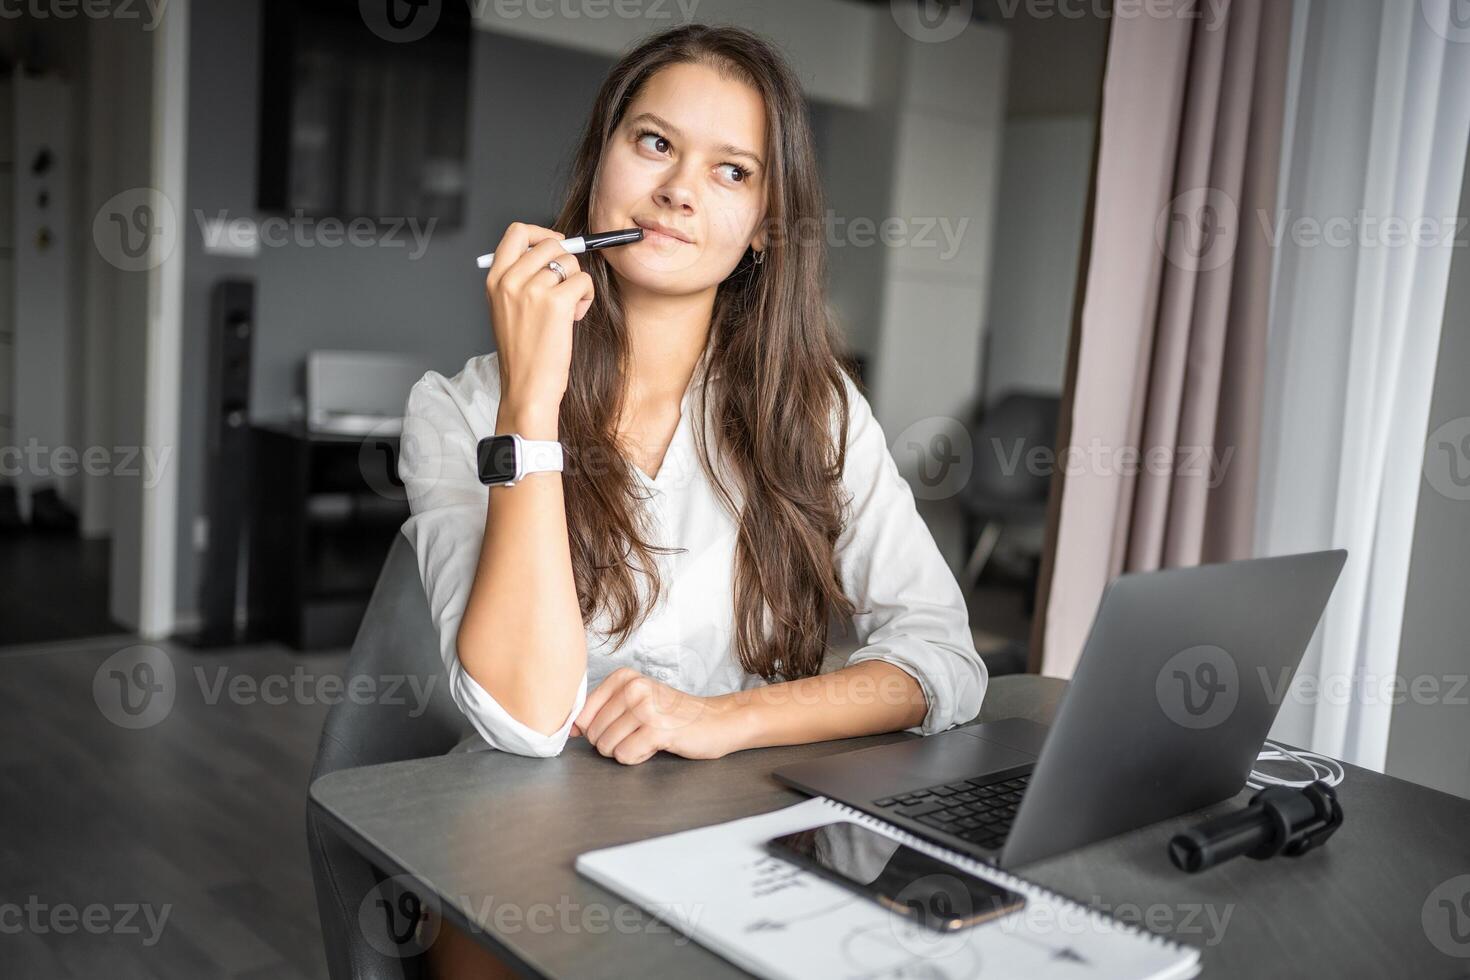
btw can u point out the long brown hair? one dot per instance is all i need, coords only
(773, 346)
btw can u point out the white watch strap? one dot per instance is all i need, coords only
(540, 456)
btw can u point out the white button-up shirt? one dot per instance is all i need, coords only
(911, 612)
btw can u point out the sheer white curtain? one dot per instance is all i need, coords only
(1377, 126)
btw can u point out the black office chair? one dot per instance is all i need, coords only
(1004, 491)
(397, 638)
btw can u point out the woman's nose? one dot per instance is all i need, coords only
(675, 194)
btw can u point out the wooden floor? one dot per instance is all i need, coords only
(199, 816)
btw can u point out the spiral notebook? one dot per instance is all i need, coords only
(719, 886)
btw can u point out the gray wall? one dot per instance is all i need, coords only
(366, 298)
(1429, 737)
(1042, 211)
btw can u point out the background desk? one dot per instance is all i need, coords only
(488, 829)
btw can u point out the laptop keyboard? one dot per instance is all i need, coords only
(976, 810)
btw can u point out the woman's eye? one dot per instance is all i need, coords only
(738, 173)
(657, 140)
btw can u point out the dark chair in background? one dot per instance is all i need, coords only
(1007, 491)
(397, 639)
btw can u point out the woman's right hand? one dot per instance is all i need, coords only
(532, 316)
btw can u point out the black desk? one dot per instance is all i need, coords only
(488, 829)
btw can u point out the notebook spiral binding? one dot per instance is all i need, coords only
(996, 874)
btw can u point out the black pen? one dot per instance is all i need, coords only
(584, 243)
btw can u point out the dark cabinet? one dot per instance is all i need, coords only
(325, 510)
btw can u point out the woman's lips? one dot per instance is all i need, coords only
(654, 235)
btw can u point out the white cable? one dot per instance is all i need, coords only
(1327, 770)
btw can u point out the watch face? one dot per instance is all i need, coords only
(497, 459)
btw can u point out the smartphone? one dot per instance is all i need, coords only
(929, 891)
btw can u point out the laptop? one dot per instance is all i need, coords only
(1178, 686)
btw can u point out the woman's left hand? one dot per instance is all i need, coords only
(630, 716)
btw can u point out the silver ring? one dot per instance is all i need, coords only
(561, 273)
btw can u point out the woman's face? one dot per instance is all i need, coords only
(689, 156)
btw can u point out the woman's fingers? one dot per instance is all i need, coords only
(517, 237)
(603, 693)
(637, 747)
(578, 284)
(530, 264)
(610, 713)
(624, 725)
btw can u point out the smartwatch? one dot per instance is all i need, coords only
(506, 460)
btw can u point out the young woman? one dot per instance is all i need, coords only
(725, 488)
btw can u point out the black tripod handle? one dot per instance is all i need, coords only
(1278, 819)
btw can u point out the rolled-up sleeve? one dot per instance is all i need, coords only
(910, 610)
(444, 419)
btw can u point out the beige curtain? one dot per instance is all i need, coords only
(1161, 443)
